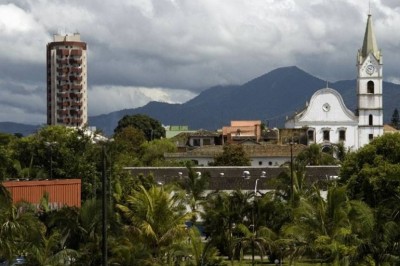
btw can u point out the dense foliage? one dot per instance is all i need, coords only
(351, 221)
(151, 128)
(232, 155)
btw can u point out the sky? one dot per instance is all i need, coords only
(171, 50)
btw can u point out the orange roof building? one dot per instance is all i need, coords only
(62, 192)
(239, 130)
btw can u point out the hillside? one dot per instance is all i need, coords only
(270, 98)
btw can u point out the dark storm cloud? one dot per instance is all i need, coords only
(139, 50)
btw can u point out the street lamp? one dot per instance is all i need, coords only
(50, 144)
(291, 143)
(246, 176)
(104, 209)
(103, 143)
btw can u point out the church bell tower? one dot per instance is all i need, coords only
(369, 88)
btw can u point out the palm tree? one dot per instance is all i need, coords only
(331, 229)
(156, 217)
(18, 226)
(51, 251)
(222, 212)
(194, 185)
(260, 239)
(203, 253)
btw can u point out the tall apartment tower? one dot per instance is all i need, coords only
(67, 81)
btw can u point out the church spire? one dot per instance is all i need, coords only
(369, 44)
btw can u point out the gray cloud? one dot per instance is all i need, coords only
(187, 45)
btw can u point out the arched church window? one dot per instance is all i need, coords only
(310, 135)
(370, 120)
(370, 87)
(342, 134)
(325, 134)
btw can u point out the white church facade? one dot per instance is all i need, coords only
(329, 121)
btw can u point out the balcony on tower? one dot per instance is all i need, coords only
(76, 87)
(62, 61)
(75, 103)
(62, 52)
(62, 104)
(75, 96)
(62, 70)
(73, 61)
(76, 52)
(63, 88)
(73, 112)
(62, 78)
(62, 112)
(75, 78)
(62, 95)
(76, 70)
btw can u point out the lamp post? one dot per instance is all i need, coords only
(291, 143)
(246, 176)
(50, 144)
(104, 208)
(253, 221)
(103, 142)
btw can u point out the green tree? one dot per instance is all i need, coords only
(232, 155)
(19, 227)
(125, 149)
(195, 185)
(156, 218)
(372, 174)
(150, 127)
(222, 212)
(333, 230)
(259, 240)
(152, 152)
(51, 251)
(203, 253)
(58, 152)
(395, 122)
(313, 155)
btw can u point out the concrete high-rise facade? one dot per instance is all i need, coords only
(67, 81)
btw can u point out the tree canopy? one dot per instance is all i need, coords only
(232, 155)
(395, 122)
(151, 128)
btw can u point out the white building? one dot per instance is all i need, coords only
(327, 118)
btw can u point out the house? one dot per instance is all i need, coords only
(189, 140)
(242, 130)
(260, 154)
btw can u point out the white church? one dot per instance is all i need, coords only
(329, 121)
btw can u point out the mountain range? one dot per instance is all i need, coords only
(270, 98)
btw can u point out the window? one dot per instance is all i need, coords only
(342, 135)
(370, 120)
(310, 135)
(370, 87)
(371, 137)
(196, 142)
(270, 163)
(206, 141)
(326, 135)
(260, 163)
